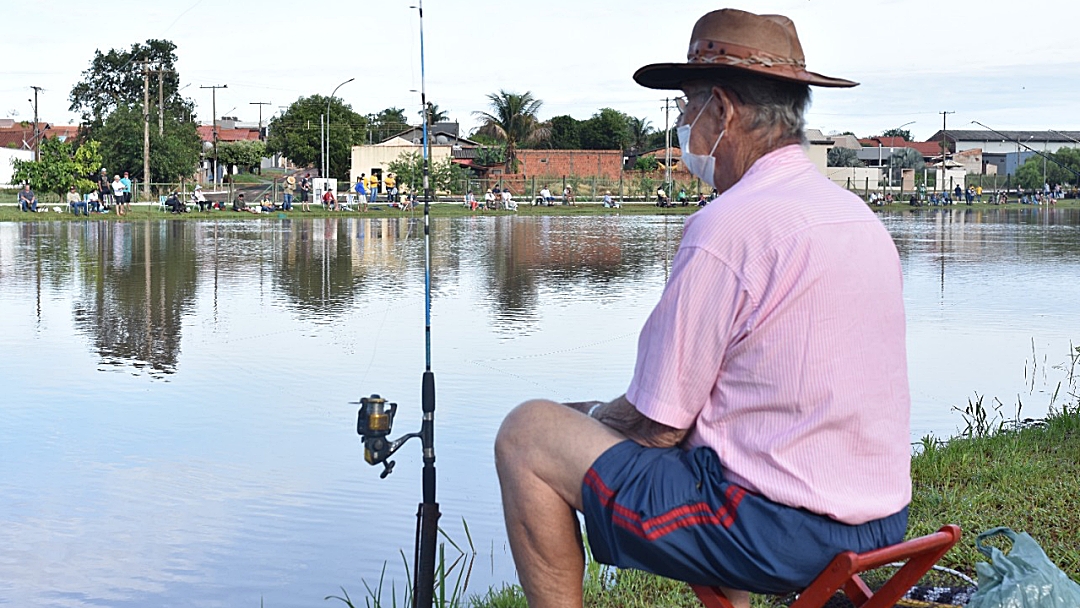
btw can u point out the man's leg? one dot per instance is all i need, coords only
(542, 453)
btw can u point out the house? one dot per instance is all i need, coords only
(18, 135)
(1006, 150)
(444, 141)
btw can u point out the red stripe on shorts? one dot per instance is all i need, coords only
(680, 517)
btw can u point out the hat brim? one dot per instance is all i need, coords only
(674, 75)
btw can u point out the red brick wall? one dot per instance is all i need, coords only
(559, 163)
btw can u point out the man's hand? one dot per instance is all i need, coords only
(622, 416)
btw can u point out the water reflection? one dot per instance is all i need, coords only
(245, 481)
(137, 283)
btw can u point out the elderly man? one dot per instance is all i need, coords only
(27, 199)
(766, 425)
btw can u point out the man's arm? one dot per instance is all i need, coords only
(622, 416)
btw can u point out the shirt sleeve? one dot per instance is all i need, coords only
(682, 345)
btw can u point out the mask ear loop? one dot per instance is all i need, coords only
(701, 111)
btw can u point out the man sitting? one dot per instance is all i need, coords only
(174, 203)
(27, 199)
(766, 426)
(76, 202)
(329, 200)
(239, 204)
(267, 205)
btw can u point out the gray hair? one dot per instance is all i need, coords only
(775, 108)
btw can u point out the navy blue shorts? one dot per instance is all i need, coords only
(671, 512)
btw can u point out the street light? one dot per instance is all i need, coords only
(326, 137)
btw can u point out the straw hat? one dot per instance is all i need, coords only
(291, 180)
(730, 39)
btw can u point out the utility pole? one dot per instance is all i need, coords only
(944, 146)
(213, 108)
(261, 138)
(146, 129)
(37, 131)
(260, 104)
(160, 105)
(667, 146)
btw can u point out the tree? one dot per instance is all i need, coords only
(296, 133)
(844, 157)
(564, 133)
(608, 129)
(62, 166)
(638, 131)
(244, 154)
(513, 120)
(409, 169)
(646, 164)
(489, 156)
(173, 155)
(904, 158)
(902, 133)
(115, 79)
(387, 123)
(110, 100)
(435, 114)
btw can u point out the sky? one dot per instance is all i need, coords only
(1008, 65)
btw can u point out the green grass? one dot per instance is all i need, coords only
(144, 212)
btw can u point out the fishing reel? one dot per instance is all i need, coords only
(373, 423)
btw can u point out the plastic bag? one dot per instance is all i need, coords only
(1025, 578)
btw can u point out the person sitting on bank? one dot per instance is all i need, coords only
(329, 200)
(198, 198)
(92, 201)
(76, 202)
(266, 205)
(661, 198)
(766, 426)
(174, 203)
(610, 202)
(27, 199)
(239, 204)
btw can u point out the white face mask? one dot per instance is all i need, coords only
(700, 165)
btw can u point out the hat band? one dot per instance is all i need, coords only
(712, 52)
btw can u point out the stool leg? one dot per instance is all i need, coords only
(711, 597)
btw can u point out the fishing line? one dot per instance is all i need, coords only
(554, 352)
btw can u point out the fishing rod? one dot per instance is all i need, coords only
(376, 416)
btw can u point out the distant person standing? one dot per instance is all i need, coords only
(372, 185)
(390, 185)
(104, 189)
(361, 193)
(118, 194)
(290, 190)
(305, 191)
(126, 180)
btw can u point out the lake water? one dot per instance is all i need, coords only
(176, 426)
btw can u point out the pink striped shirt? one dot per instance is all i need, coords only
(779, 341)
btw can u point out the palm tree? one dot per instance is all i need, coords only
(640, 129)
(435, 114)
(513, 120)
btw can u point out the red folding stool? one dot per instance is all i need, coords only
(843, 573)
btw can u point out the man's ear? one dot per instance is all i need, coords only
(725, 106)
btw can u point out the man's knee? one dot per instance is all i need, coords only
(519, 429)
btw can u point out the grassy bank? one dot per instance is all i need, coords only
(144, 212)
(1027, 478)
